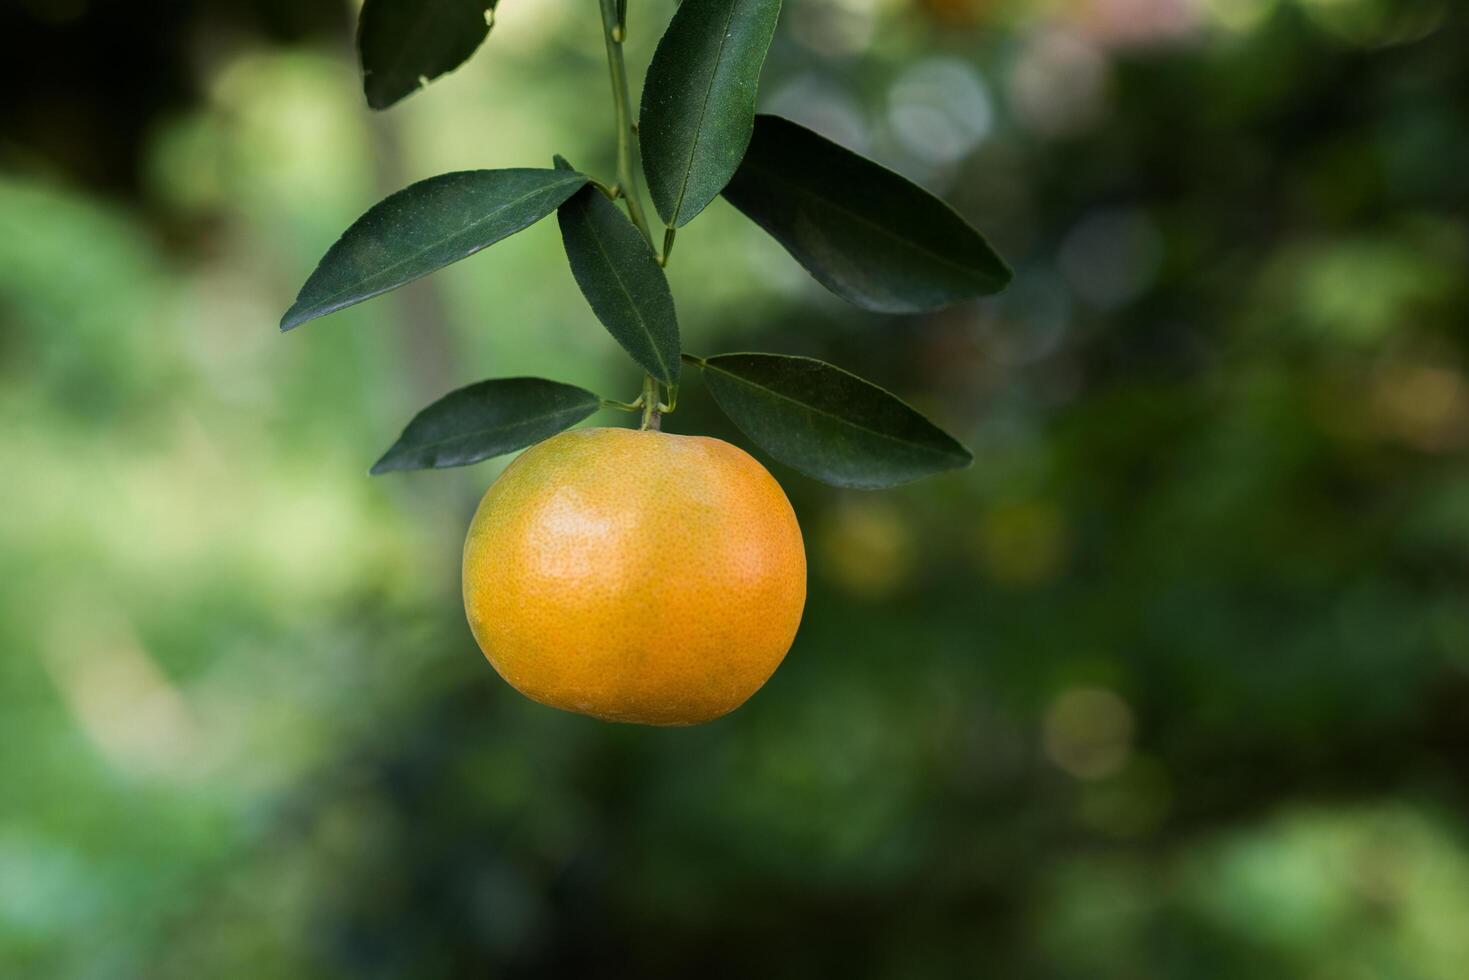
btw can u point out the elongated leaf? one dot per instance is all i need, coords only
(869, 235)
(699, 101)
(406, 43)
(487, 419)
(827, 423)
(424, 227)
(622, 280)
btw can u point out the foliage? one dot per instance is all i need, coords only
(622, 281)
(404, 43)
(862, 231)
(426, 227)
(827, 423)
(487, 419)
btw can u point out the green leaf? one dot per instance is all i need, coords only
(699, 101)
(869, 235)
(425, 227)
(406, 43)
(622, 280)
(487, 419)
(827, 423)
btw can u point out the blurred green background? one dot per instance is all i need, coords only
(1173, 682)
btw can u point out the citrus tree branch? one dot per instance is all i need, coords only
(613, 33)
(614, 30)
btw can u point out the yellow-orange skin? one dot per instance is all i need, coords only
(635, 575)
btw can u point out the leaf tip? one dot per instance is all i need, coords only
(378, 96)
(292, 319)
(1002, 275)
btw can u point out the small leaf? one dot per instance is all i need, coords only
(487, 419)
(425, 227)
(699, 101)
(827, 423)
(869, 235)
(404, 43)
(622, 280)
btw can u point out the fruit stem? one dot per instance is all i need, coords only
(651, 415)
(614, 14)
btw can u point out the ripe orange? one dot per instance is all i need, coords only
(635, 575)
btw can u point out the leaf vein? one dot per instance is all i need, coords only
(911, 245)
(813, 410)
(387, 270)
(473, 433)
(703, 114)
(632, 305)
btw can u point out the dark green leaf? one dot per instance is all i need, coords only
(622, 280)
(406, 43)
(699, 101)
(867, 234)
(827, 423)
(487, 419)
(425, 227)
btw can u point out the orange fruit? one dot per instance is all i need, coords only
(635, 575)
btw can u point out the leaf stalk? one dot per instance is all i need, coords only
(635, 405)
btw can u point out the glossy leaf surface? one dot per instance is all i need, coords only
(622, 281)
(489, 418)
(829, 424)
(425, 227)
(698, 105)
(868, 234)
